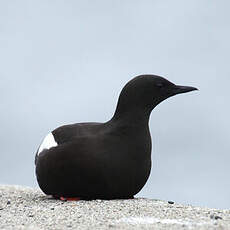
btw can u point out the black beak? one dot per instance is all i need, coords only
(183, 89)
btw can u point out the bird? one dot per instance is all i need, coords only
(110, 160)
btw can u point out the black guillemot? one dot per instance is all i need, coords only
(110, 160)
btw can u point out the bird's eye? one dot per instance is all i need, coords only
(160, 85)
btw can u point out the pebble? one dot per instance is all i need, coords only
(215, 217)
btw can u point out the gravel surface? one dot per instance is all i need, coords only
(27, 208)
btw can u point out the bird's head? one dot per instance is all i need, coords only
(147, 91)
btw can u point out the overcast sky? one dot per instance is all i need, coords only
(66, 61)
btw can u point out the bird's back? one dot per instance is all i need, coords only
(67, 133)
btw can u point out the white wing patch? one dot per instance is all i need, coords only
(47, 143)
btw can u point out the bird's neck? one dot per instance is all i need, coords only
(131, 115)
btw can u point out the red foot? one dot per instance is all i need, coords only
(70, 198)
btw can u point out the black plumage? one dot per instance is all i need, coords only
(108, 160)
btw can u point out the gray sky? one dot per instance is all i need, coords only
(66, 61)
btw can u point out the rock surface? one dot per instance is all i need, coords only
(27, 208)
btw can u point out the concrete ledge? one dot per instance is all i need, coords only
(27, 208)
